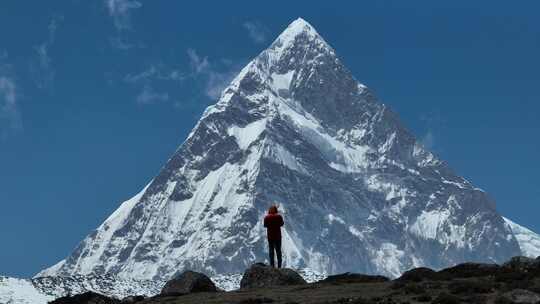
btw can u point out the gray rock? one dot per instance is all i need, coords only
(86, 298)
(354, 278)
(189, 282)
(522, 264)
(522, 296)
(260, 276)
(470, 270)
(132, 299)
(418, 275)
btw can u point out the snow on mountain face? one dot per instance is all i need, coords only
(357, 190)
(528, 240)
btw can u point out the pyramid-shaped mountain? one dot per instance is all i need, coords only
(357, 189)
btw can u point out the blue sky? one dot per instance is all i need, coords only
(96, 95)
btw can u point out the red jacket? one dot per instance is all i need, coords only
(273, 223)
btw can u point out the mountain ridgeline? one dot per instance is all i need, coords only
(357, 189)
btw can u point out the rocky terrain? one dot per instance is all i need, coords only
(517, 281)
(41, 290)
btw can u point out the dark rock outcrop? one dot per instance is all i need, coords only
(354, 278)
(132, 299)
(468, 270)
(261, 275)
(188, 282)
(523, 264)
(86, 298)
(418, 275)
(445, 298)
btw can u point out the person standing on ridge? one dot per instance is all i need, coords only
(273, 222)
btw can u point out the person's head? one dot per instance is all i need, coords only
(273, 209)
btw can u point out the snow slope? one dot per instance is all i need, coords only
(528, 240)
(357, 190)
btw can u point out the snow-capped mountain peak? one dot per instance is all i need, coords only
(357, 190)
(299, 31)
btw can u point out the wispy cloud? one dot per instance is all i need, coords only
(215, 80)
(428, 140)
(42, 68)
(149, 96)
(122, 43)
(157, 81)
(3, 55)
(10, 118)
(434, 124)
(150, 76)
(155, 72)
(256, 31)
(120, 12)
(198, 64)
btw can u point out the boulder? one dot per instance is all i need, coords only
(522, 296)
(260, 275)
(188, 282)
(354, 278)
(86, 298)
(418, 275)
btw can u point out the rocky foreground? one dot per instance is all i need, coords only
(517, 281)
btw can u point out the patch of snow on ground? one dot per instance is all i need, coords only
(20, 291)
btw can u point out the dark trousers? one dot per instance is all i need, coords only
(275, 245)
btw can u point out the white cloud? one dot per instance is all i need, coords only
(10, 119)
(214, 76)
(256, 31)
(198, 64)
(147, 78)
(149, 96)
(121, 43)
(428, 140)
(155, 72)
(120, 12)
(215, 81)
(42, 69)
(435, 124)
